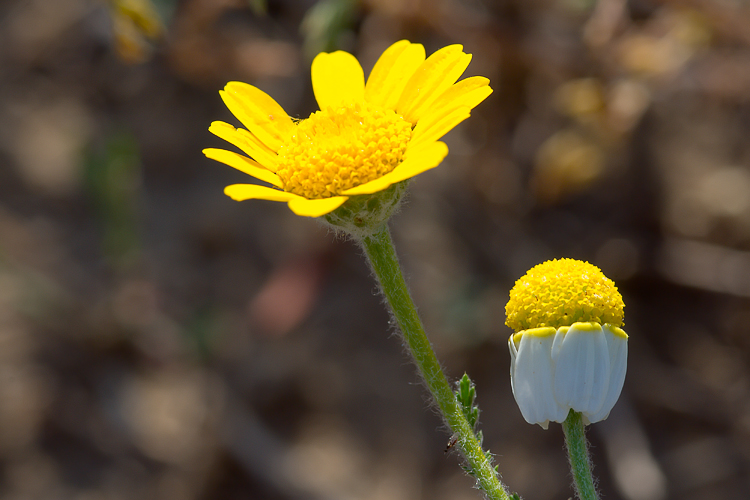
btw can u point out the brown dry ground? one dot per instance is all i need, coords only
(160, 341)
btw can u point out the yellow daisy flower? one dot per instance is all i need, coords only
(366, 136)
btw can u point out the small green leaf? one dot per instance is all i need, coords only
(466, 394)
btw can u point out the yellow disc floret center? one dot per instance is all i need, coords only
(339, 148)
(562, 292)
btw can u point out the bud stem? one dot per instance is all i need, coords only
(578, 456)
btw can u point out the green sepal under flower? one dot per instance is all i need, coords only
(366, 214)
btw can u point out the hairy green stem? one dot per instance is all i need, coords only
(382, 255)
(578, 455)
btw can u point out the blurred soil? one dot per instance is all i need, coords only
(160, 341)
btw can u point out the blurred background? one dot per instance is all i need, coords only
(160, 341)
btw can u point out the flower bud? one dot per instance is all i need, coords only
(569, 351)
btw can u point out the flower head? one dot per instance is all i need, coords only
(561, 292)
(569, 351)
(366, 136)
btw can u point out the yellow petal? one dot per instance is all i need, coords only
(450, 109)
(316, 208)
(430, 130)
(243, 164)
(427, 157)
(468, 92)
(240, 192)
(392, 72)
(337, 78)
(247, 142)
(432, 78)
(259, 112)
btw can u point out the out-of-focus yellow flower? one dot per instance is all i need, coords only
(666, 44)
(366, 136)
(566, 163)
(135, 22)
(583, 97)
(569, 351)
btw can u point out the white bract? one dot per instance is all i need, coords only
(579, 367)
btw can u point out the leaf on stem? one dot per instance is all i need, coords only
(466, 394)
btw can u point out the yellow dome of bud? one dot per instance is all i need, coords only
(562, 292)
